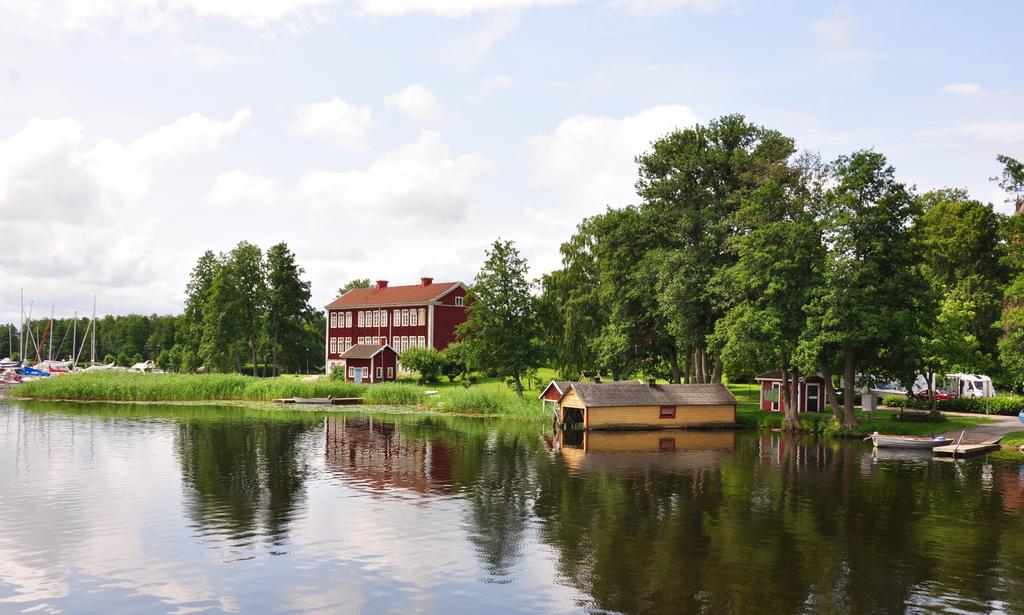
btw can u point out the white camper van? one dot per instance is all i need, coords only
(970, 385)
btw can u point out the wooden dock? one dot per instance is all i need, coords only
(968, 450)
(337, 401)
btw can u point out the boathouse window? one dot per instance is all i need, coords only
(412, 317)
(667, 412)
(422, 341)
(348, 319)
(423, 316)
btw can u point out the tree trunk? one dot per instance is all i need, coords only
(716, 371)
(688, 368)
(673, 360)
(255, 362)
(849, 374)
(830, 391)
(698, 365)
(519, 384)
(273, 356)
(789, 383)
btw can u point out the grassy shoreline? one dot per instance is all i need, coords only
(487, 399)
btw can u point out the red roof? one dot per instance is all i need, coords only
(393, 295)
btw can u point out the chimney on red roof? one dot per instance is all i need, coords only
(382, 284)
(426, 281)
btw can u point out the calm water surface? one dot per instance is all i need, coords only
(147, 509)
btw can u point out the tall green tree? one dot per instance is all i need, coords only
(288, 306)
(501, 317)
(247, 268)
(693, 182)
(868, 310)
(357, 283)
(780, 258)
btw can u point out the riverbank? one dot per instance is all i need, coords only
(481, 400)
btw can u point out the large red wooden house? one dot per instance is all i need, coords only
(422, 315)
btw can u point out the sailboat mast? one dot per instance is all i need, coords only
(21, 337)
(74, 338)
(49, 353)
(93, 355)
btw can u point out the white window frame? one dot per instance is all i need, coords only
(351, 372)
(423, 316)
(397, 318)
(348, 320)
(383, 318)
(459, 301)
(396, 342)
(413, 321)
(334, 346)
(405, 343)
(366, 374)
(376, 318)
(361, 318)
(334, 320)
(380, 373)
(405, 318)
(421, 341)
(391, 372)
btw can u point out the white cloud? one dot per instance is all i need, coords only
(335, 120)
(839, 38)
(449, 8)
(589, 160)
(1005, 131)
(963, 89)
(471, 50)
(418, 182)
(81, 217)
(209, 57)
(244, 190)
(417, 102)
(663, 7)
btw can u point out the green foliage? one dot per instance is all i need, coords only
(427, 361)
(1008, 405)
(492, 402)
(501, 315)
(358, 283)
(455, 361)
(1012, 177)
(287, 309)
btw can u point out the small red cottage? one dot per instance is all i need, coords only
(370, 363)
(552, 394)
(810, 399)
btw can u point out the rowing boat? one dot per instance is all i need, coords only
(908, 442)
(315, 400)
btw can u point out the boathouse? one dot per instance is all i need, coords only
(639, 405)
(811, 397)
(370, 363)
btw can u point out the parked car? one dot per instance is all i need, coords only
(940, 394)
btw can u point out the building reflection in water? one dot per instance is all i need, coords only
(377, 455)
(662, 449)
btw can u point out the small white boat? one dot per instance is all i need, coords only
(325, 401)
(908, 442)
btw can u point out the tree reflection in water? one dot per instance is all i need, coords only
(243, 480)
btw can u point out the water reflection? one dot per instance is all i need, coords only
(191, 509)
(243, 484)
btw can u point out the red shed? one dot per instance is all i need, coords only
(553, 393)
(370, 363)
(811, 397)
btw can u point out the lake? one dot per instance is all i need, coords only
(180, 509)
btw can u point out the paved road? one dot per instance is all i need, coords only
(1001, 425)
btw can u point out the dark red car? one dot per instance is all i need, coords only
(940, 394)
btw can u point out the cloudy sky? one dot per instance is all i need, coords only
(398, 138)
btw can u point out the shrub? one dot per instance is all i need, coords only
(477, 400)
(427, 361)
(1001, 404)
